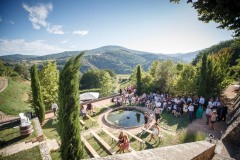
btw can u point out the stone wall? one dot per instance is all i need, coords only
(201, 150)
(229, 145)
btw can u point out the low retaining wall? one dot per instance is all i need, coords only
(201, 150)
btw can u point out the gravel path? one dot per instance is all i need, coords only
(3, 84)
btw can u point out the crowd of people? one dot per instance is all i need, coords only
(215, 110)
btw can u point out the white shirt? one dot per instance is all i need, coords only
(208, 111)
(191, 108)
(54, 105)
(201, 100)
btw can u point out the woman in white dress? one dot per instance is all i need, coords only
(155, 132)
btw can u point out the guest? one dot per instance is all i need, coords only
(120, 139)
(199, 112)
(82, 111)
(125, 144)
(224, 112)
(190, 112)
(155, 132)
(54, 108)
(208, 112)
(213, 118)
(201, 101)
(146, 117)
(157, 113)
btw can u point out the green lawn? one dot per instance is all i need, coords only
(14, 98)
(10, 134)
(30, 154)
(174, 123)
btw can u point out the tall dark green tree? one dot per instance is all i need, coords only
(38, 104)
(203, 75)
(68, 98)
(139, 80)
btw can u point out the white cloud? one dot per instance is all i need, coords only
(21, 46)
(57, 29)
(64, 41)
(38, 15)
(80, 32)
(11, 22)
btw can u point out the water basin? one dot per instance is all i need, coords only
(126, 118)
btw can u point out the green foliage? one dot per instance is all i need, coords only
(164, 74)
(106, 83)
(22, 70)
(68, 98)
(139, 80)
(90, 90)
(98, 79)
(203, 75)
(38, 104)
(186, 82)
(234, 44)
(49, 76)
(90, 79)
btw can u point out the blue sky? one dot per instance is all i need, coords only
(45, 27)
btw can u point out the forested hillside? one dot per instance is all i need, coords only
(233, 45)
(120, 60)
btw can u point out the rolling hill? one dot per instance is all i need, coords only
(119, 59)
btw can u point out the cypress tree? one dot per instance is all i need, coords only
(139, 80)
(38, 105)
(68, 98)
(203, 75)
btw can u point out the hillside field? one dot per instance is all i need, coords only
(13, 100)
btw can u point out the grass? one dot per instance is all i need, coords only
(177, 125)
(14, 98)
(10, 134)
(30, 154)
(186, 136)
(174, 123)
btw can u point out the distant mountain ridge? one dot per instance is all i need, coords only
(117, 58)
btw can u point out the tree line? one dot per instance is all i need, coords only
(208, 78)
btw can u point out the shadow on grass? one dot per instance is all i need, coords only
(179, 122)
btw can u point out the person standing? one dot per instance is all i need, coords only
(54, 108)
(201, 101)
(146, 117)
(155, 132)
(157, 113)
(224, 112)
(190, 112)
(213, 118)
(208, 112)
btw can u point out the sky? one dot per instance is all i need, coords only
(35, 27)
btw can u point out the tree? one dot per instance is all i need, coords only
(106, 83)
(139, 80)
(68, 98)
(224, 12)
(186, 82)
(90, 79)
(38, 105)
(22, 70)
(203, 75)
(49, 82)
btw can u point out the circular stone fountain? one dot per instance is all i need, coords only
(125, 117)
